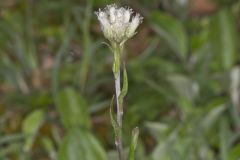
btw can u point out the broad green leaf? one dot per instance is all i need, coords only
(184, 86)
(212, 116)
(73, 109)
(223, 38)
(172, 30)
(162, 150)
(79, 144)
(157, 129)
(31, 124)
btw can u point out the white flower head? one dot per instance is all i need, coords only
(118, 23)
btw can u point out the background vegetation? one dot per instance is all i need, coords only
(56, 81)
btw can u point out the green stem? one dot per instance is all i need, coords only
(117, 49)
(118, 140)
(118, 92)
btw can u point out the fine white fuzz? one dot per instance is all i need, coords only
(118, 23)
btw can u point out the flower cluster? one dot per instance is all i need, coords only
(118, 23)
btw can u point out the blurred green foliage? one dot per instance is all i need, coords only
(56, 82)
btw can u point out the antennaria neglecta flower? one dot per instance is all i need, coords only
(118, 23)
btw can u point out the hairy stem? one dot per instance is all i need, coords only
(117, 76)
(118, 140)
(118, 91)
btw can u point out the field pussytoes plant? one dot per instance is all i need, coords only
(118, 25)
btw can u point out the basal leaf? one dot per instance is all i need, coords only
(30, 127)
(73, 109)
(223, 38)
(79, 144)
(172, 30)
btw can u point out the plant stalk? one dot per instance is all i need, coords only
(117, 76)
(118, 91)
(118, 140)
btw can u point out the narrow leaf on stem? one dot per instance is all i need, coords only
(118, 132)
(135, 134)
(113, 120)
(124, 89)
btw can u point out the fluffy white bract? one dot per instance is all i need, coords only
(118, 23)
